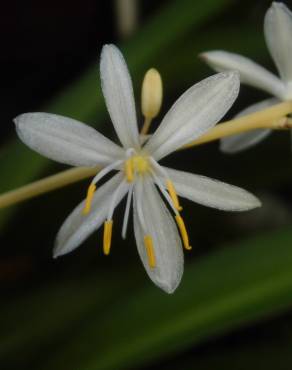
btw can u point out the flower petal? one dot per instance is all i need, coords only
(237, 143)
(212, 193)
(166, 241)
(250, 72)
(77, 226)
(278, 33)
(194, 113)
(119, 97)
(65, 140)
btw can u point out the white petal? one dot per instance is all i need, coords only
(77, 226)
(278, 33)
(194, 113)
(66, 140)
(167, 244)
(250, 72)
(212, 193)
(119, 97)
(236, 143)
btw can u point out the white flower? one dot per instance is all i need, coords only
(138, 172)
(278, 35)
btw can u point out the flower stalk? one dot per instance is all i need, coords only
(274, 118)
(45, 185)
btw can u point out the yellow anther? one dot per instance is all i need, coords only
(129, 170)
(89, 197)
(151, 97)
(148, 242)
(183, 232)
(107, 236)
(173, 195)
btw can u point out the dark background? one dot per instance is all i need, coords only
(46, 46)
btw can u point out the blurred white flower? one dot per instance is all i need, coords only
(278, 35)
(138, 172)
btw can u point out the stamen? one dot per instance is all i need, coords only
(107, 236)
(129, 170)
(173, 194)
(92, 186)
(113, 166)
(117, 193)
(183, 232)
(148, 242)
(127, 212)
(138, 194)
(89, 197)
(161, 186)
(168, 184)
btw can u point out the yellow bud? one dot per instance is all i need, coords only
(151, 94)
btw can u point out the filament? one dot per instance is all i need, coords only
(113, 202)
(168, 183)
(164, 192)
(127, 212)
(138, 201)
(105, 171)
(173, 194)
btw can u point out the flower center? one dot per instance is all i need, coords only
(137, 164)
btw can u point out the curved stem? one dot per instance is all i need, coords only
(45, 185)
(273, 118)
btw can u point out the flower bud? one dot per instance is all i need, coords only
(151, 94)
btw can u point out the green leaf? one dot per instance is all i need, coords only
(219, 292)
(38, 319)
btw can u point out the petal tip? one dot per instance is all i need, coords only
(203, 56)
(278, 5)
(257, 203)
(232, 74)
(20, 118)
(226, 148)
(169, 288)
(56, 253)
(206, 56)
(58, 249)
(276, 9)
(251, 203)
(107, 48)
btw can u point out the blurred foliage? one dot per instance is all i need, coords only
(88, 313)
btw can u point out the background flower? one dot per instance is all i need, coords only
(278, 33)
